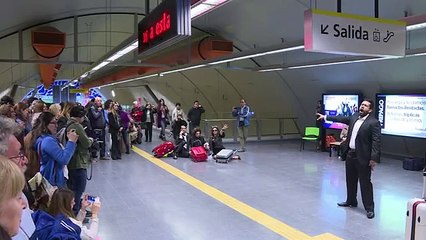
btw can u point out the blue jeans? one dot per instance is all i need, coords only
(77, 183)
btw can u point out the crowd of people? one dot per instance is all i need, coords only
(59, 141)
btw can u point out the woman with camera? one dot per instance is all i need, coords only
(63, 222)
(53, 156)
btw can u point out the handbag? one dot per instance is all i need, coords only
(41, 190)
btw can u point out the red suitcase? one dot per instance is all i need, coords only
(164, 149)
(415, 226)
(198, 154)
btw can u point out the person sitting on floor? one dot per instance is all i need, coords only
(182, 145)
(216, 136)
(197, 140)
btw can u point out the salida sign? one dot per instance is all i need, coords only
(332, 32)
(166, 25)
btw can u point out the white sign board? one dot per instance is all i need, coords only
(340, 33)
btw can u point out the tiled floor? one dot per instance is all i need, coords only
(301, 189)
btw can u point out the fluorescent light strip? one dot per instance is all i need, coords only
(258, 55)
(342, 62)
(416, 26)
(197, 10)
(271, 70)
(183, 69)
(129, 80)
(100, 65)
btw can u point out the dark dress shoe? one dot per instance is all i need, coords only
(346, 204)
(370, 214)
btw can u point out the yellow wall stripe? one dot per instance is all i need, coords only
(248, 211)
(358, 17)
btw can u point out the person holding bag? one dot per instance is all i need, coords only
(53, 156)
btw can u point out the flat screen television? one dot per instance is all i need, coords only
(339, 105)
(402, 115)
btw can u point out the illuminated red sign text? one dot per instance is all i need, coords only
(161, 26)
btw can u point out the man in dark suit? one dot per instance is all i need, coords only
(363, 152)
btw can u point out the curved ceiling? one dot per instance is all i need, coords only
(249, 24)
(16, 15)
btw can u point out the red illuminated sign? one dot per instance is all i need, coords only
(163, 25)
(166, 25)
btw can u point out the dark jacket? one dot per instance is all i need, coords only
(151, 114)
(114, 122)
(194, 115)
(176, 127)
(96, 118)
(367, 142)
(197, 142)
(216, 143)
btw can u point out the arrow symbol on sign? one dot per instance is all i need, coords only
(324, 29)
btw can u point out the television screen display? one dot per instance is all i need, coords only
(339, 105)
(402, 115)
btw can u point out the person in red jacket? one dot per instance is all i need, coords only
(137, 113)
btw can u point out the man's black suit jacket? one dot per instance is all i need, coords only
(367, 142)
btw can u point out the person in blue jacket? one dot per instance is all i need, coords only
(242, 114)
(53, 156)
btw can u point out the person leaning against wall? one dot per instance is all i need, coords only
(243, 122)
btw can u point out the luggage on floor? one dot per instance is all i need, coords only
(413, 164)
(224, 156)
(415, 225)
(164, 149)
(198, 154)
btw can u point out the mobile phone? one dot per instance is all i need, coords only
(91, 199)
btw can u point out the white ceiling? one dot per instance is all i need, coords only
(248, 23)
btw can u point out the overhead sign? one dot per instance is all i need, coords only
(340, 33)
(79, 90)
(167, 24)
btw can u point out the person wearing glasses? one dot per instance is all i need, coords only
(11, 148)
(216, 136)
(53, 156)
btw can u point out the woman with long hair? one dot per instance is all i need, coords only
(22, 116)
(114, 128)
(65, 114)
(12, 183)
(62, 203)
(216, 136)
(53, 156)
(162, 117)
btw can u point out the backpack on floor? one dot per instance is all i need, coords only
(163, 150)
(54, 228)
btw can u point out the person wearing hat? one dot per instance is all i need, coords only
(80, 160)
